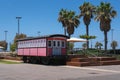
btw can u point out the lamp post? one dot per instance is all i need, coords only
(6, 39)
(18, 18)
(6, 35)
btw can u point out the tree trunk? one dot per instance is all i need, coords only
(69, 35)
(65, 30)
(114, 50)
(105, 41)
(87, 33)
(100, 47)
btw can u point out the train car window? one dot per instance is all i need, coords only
(41, 40)
(44, 40)
(58, 43)
(63, 44)
(49, 44)
(54, 43)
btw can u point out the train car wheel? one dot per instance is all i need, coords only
(33, 60)
(25, 59)
(45, 60)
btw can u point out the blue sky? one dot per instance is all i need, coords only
(41, 15)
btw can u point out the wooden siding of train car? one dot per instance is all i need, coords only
(32, 51)
(50, 49)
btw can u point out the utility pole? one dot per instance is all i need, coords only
(6, 35)
(18, 18)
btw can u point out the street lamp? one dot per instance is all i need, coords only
(18, 18)
(5, 35)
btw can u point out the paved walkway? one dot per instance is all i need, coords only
(98, 68)
(42, 72)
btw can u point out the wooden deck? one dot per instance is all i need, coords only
(81, 60)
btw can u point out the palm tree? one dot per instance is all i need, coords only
(104, 14)
(69, 21)
(63, 18)
(73, 22)
(87, 11)
(98, 45)
(114, 45)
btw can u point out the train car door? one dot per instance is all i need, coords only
(56, 47)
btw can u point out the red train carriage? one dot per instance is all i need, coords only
(43, 48)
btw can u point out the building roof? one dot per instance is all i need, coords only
(46, 36)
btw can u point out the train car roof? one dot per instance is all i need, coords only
(46, 36)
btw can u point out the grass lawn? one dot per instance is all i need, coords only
(8, 62)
